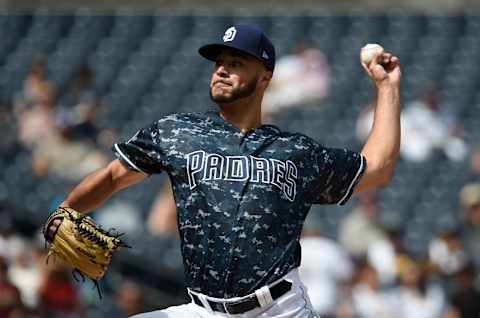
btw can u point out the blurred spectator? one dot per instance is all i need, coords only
(129, 298)
(475, 164)
(82, 89)
(368, 300)
(128, 301)
(470, 202)
(35, 86)
(80, 105)
(9, 293)
(57, 155)
(10, 241)
(299, 78)
(53, 137)
(163, 214)
(426, 128)
(416, 297)
(324, 279)
(446, 251)
(359, 229)
(36, 124)
(385, 253)
(58, 296)
(465, 298)
(24, 273)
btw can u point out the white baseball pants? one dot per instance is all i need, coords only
(293, 304)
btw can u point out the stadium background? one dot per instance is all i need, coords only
(145, 64)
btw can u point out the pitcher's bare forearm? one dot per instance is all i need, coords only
(383, 144)
(92, 191)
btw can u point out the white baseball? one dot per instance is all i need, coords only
(369, 51)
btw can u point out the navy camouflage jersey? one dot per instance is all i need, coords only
(241, 198)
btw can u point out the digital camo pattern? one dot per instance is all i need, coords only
(241, 198)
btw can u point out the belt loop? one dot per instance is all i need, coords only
(264, 297)
(205, 303)
(189, 292)
(202, 299)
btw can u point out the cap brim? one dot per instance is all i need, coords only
(211, 51)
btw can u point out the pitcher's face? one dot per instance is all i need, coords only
(236, 75)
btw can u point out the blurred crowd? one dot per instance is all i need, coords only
(63, 140)
(60, 133)
(366, 272)
(427, 128)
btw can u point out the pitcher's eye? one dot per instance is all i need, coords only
(237, 63)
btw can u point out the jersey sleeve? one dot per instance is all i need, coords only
(337, 172)
(143, 152)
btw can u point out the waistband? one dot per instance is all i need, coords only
(262, 297)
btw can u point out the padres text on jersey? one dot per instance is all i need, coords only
(207, 166)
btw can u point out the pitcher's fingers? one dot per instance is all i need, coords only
(51, 232)
(365, 67)
(394, 62)
(53, 228)
(386, 58)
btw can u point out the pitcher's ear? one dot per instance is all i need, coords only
(267, 76)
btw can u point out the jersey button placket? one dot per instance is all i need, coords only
(246, 143)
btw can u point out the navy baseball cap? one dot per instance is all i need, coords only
(247, 38)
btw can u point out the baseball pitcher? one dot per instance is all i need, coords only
(243, 189)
